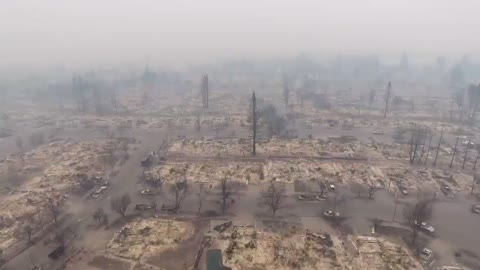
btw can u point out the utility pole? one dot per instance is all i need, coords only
(438, 148)
(454, 151)
(387, 99)
(254, 122)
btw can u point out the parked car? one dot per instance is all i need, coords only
(446, 189)
(142, 207)
(148, 192)
(331, 214)
(378, 132)
(476, 208)
(100, 190)
(57, 252)
(331, 187)
(426, 227)
(426, 254)
(306, 197)
(404, 191)
(321, 197)
(468, 143)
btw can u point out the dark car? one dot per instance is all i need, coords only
(142, 207)
(56, 253)
(446, 190)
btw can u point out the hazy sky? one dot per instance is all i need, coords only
(75, 32)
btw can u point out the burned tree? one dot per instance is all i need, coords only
(454, 151)
(371, 97)
(467, 148)
(323, 187)
(473, 94)
(459, 101)
(197, 124)
(204, 91)
(475, 180)
(79, 93)
(438, 148)
(99, 216)
(120, 204)
(226, 194)
(55, 209)
(27, 229)
(274, 197)
(254, 123)
(113, 100)
(275, 123)
(428, 148)
(19, 143)
(387, 98)
(178, 191)
(476, 159)
(286, 90)
(417, 139)
(416, 214)
(201, 193)
(373, 187)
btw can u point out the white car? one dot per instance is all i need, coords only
(470, 143)
(331, 186)
(330, 213)
(426, 253)
(426, 227)
(378, 132)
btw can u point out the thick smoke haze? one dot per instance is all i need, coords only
(88, 32)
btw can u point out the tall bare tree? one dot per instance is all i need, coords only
(55, 209)
(417, 140)
(388, 93)
(475, 179)
(113, 98)
(473, 94)
(204, 91)
(454, 152)
(286, 90)
(120, 204)
(19, 143)
(373, 187)
(322, 186)
(371, 97)
(226, 195)
(467, 148)
(428, 149)
(27, 229)
(438, 148)
(178, 191)
(254, 123)
(201, 193)
(274, 197)
(417, 213)
(99, 216)
(476, 159)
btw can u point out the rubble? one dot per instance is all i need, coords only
(57, 169)
(247, 248)
(144, 237)
(377, 253)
